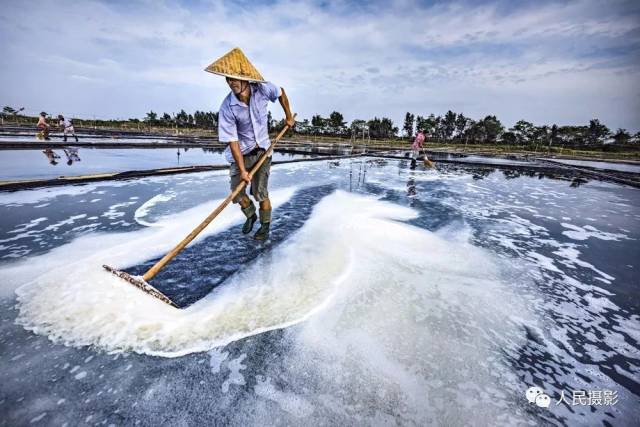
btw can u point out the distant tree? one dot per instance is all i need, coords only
(621, 136)
(358, 125)
(477, 132)
(509, 138)
(553, 139)
(573, 135)
(420, 124)
(523, 131)
(269, 121)
(336, 120)
(166, 120)
(449, 124)
(541, 135)
(9, 111)
(382, 128)
(493, 128)
(182, 118)
(461, 125)
(431, 126)
(389, 129)
(375, 127)
(469, 130)
(438, 129)
(317, 120)
(151, 118)
(597, 132)
(409, 120)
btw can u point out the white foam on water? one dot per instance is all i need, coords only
(75, 302)
(583, 233)
(217, 356)
(416, 312)
(288, 402)
(18, 198)
(414, 309)
(235, 376)
(385, 311)
(66, 295)
(26, 226)
(143, 211)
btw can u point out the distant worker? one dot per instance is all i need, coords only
(242, 123)
(416, 147)
(43, 127)
(67, 127)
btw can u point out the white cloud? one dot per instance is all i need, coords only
(552, 62)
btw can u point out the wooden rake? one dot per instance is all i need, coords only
(427, 163)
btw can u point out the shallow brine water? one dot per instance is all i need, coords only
(74, 161)
(385, 296)
(612, 166)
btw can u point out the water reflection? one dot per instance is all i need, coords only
(51, 156)
(72, 155)
(28, 164)
(411, 187)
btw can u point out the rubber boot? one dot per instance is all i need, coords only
(74, 135)
(265, 223)
(65, 138)
(250, 213)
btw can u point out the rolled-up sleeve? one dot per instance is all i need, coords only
(227, 129)
(271, 91)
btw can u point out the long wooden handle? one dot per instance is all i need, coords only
(180, 246)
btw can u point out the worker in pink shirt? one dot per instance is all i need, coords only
(416, 147)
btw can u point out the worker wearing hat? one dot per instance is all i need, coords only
(67, 126)
(242, 124)
(43, 127)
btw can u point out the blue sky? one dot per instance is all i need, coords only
(546, 62)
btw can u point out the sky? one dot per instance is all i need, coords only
(546, 62)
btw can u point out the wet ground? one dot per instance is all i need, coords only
(385, 296)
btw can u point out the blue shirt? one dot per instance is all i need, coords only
(244, 123)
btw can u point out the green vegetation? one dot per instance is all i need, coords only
(453, 131)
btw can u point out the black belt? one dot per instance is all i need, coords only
(257, 150)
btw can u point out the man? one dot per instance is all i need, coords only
(43, 127)
(67, 126)
(242, 123)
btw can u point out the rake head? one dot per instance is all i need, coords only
(141, 284)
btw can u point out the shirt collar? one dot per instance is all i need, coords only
(235, 101)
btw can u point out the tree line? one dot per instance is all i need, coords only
(336, 126)
(450, 128)
(455, 127)
(199, 119)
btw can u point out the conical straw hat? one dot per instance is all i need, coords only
(235, 65)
